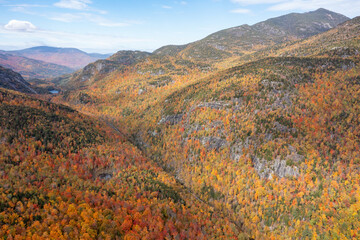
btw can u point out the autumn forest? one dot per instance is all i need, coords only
(250, 133)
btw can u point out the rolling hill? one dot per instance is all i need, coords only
(100, 68)
(69, 57)
(30, 68)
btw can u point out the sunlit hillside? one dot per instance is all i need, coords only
(271, 142)
(250, 133)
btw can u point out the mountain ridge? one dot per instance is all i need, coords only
(14, 81)
(244, 38)
(31, 68)
(100, 68)
(69, 57)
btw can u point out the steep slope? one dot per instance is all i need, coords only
(97, 70)
(30, 68)
(70, 57)
(65, 175)
(14, 81)
(342, 41)
(170, 50)
(246, 39)
(273, 142)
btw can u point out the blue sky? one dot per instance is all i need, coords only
(107, 26)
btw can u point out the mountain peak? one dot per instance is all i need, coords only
(324, 10)
(245, 38)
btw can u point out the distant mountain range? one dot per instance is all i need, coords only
(31, 68)
(246, 39)
(47, 62)
(70, 57)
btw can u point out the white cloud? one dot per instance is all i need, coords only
(240, 10)
(26, 8)
(73, 4)
(78, 5)
(166, 7)
(26, 5)
(112, 24)
(89, 17)
(66, 17)
(22, 26)
(22, 10)
(255, 2)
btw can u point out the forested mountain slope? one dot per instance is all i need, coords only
(273, 141)
(67, 175)
(245, 39)
(31, 68)
(14, 81)
(92, 72)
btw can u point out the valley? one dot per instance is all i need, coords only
(249, 133)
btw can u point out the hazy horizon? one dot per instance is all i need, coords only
(108, 26)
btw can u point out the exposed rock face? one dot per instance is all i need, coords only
(141, 91)
(104, 174)
(343, 52)
(171, 119)
(14, 81)
(213, 143)
(213, 105)
(236, 151)
(279, 167)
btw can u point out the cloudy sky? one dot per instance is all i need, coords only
(107, 26)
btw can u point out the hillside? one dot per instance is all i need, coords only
(238, 44)
(272, 141)
(69, 57)
(245, 39)
(67, 175)
(14, 81)
(342, 41)
(30, 68)
(100, 68)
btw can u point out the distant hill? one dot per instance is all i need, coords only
(100, 68)
(14, 81)
(70, 57)
(246, 39)
(30, 68)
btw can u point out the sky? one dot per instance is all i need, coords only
(107, 26)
